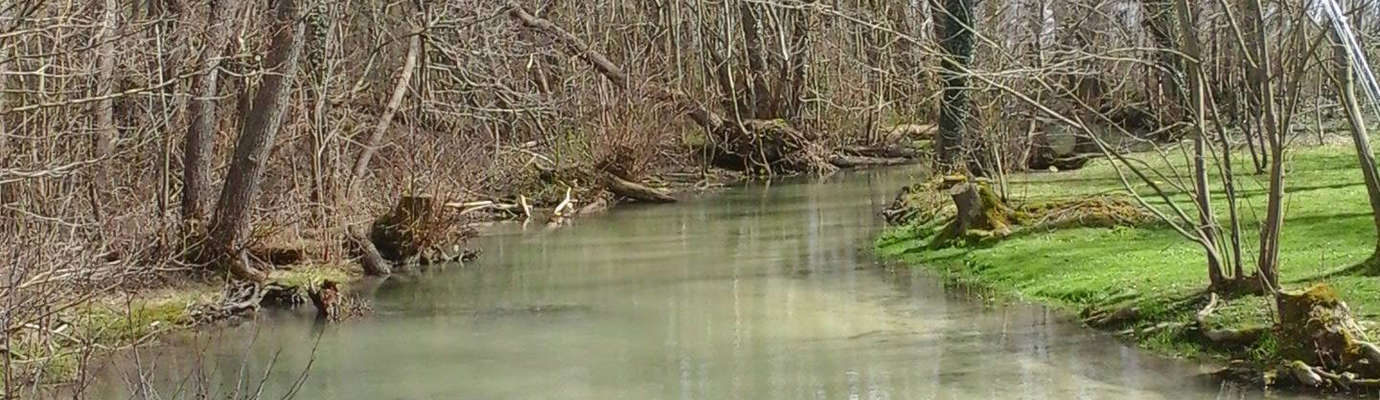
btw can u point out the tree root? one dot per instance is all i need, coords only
(1112, 317)
(1224, 336)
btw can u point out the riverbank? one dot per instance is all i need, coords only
(1151, 269)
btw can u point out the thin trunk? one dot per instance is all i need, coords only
(197, 150)
(800, 63)
(399, 92)
(105, 108)
(1260, 83)
(1193, 67)
(230, 225)
(1229, 185)
(1346, 89)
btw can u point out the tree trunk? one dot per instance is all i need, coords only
(105, 108)
(230, 225)
(399, 92)
(201, 127)
(799, 63)
(370, 259)
(1346, 89)
(759, 96)
(1207, 221)
(957, 20)
(1259, 79)
(1160, 24)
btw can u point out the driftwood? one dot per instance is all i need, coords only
(563, 211)
(594, 207)
(912, 132)
(895, 151)
(373, 263)
(636, 191)
(847, 161)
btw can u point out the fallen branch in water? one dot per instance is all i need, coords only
(636, 191)
(847, 161)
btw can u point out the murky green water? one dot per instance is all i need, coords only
(754, 293)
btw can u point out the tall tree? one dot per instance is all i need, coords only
(201, 111)
(230, 225)
(1346, 90)
(956, 18)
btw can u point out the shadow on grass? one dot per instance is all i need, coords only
(1370, 267)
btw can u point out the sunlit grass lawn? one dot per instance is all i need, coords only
(1327, 229)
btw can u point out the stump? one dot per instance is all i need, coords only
(326, 299)
(981, 213)
(1317, 328)
(402, 233)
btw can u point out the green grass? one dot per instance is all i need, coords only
(1327, 229)
(309, 277)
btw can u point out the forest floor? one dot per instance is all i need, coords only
(1153, 269)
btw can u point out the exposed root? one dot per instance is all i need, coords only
(1224, 336)
(1110, 317)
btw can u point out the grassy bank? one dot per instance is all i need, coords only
(1152, 268)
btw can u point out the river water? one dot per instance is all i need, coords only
(759, 292)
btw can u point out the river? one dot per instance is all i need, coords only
(767, 291)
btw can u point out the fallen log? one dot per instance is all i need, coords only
(636, 191)
(846, 161)
(912, 132)
(881, 151)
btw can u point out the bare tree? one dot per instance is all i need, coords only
(201, 111)
(1197, 109)
(230, 225)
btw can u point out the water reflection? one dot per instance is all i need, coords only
(754, 293)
